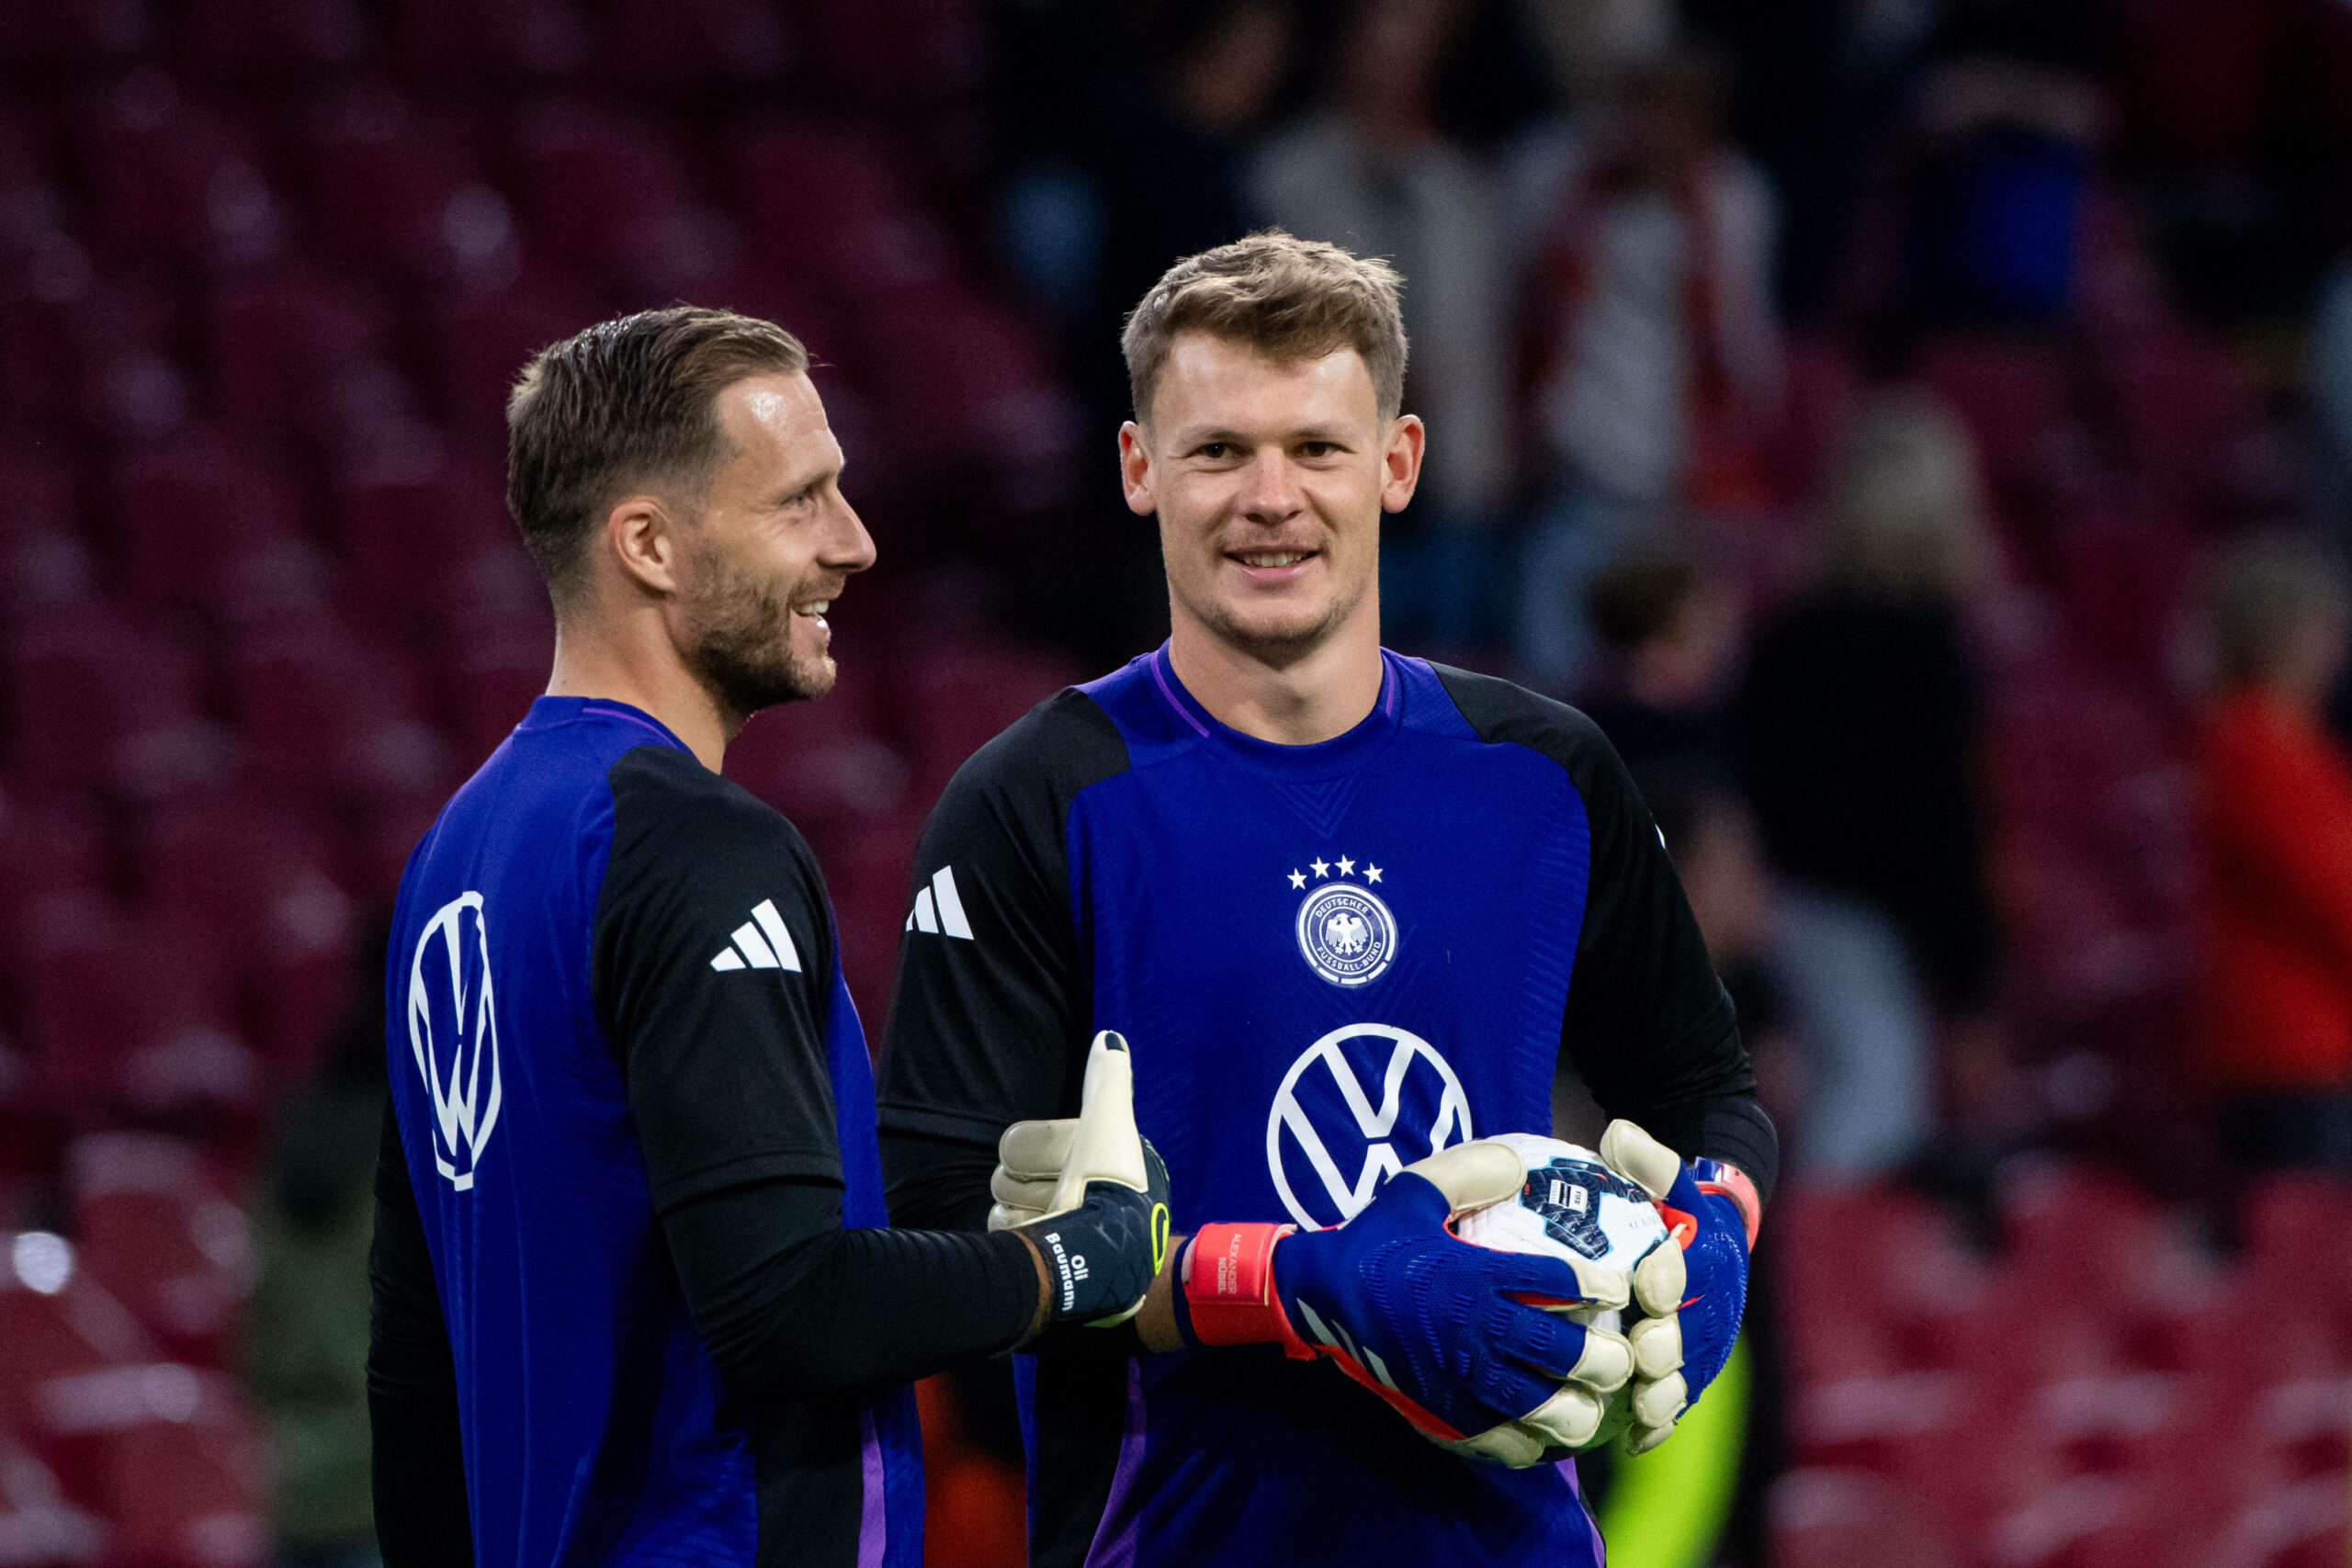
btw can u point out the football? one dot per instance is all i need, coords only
(1571, 1205)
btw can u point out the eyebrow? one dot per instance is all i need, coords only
(1190, 439)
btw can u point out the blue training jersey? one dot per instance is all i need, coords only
(1330, 960)
(613, 987)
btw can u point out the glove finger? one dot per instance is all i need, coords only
(1032, 1150)
(1641, 1159)
(1660, 1281)
(1508, 1444)
(1563, 1350)
(1105, 1146)
(1642, 1439)
(1569, 1419)
(1473, 1176)
(1658, 1403)
(1544, 1280)
(1018, 1191)
(1655, 1346)
(1006, 1217)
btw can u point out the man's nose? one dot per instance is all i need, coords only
(848, 546)
(1270, 491)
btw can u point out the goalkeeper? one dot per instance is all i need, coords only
(1349, 908)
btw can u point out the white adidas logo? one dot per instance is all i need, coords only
(761, 943)
(937, 909)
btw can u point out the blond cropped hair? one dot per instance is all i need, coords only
(1287, 298)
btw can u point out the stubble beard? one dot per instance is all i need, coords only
(739, 645)
(1276, 645)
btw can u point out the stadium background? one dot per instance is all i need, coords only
(267, 265)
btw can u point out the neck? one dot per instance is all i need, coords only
(1294, 701)
(627, 665)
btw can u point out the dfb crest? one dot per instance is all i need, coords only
(1330, 1144)
(453, 1030)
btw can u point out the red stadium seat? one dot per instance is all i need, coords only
(955, 700)
(84, 689)
(190, 514)
(965, 374)
(52, 32)
(319, 708)
(489, 40)
(2012, 395)
(287, 344)
(494, 675)
(1848, 1519)
(831, 206)
(413, 519)
(163, 1450)
(597, 187)
(51, 841)
(245, 37)
(123, 1013)
(693, 44)
(823, 765)
(399, 187)
(2181, 403)
(154, 1229)
(171, 178)
(481, 341)
(868, 868)
(905, 54)
(96, 352)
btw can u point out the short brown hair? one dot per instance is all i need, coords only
(1287, 298)
(628, 403)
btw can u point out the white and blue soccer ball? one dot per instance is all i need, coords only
(1572, 1206)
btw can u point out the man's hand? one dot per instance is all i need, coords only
(1089, 1196)
(1691, 1295)
(1455, 1336)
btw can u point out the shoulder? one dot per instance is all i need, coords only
(1055, 749)
(666, 802)
(1502, 713)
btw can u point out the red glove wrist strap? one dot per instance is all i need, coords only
(1730, 1181)
(1229, 1284)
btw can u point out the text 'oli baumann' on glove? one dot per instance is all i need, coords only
(1090, 1193)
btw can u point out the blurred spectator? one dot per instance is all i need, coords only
(1651, 330)
(2009, 110)
(1146, 162)
(1589, 44)
(1667, 635)
(1856, 732)
(2276, 1010)
(1373, 171)
(2332, 405)
(304, 1358)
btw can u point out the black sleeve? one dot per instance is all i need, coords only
(416, 1459)
(713, 973)
(1647, 1024)
(791, 1305)
(994, 1003)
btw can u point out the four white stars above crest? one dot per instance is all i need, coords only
(1322, 869)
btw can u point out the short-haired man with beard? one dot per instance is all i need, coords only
(1349, 908)
(633, 1304)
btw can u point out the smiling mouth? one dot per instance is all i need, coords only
(1264, 559)
(814, 610)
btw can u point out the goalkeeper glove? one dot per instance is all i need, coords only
(1693, 1298)
(1098, 1212)
(1450, 1334)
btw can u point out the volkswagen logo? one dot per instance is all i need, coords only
(1329, 1145)
(453, 1030)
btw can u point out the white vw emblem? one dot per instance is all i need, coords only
(453, 1029)
(1291, 1127)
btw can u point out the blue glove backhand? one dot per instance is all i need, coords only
(1444, 1330)
(1693, 1299)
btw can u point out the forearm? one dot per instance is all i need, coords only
(791, 1305)
(416, 1459)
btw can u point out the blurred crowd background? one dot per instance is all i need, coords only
(1920, 431)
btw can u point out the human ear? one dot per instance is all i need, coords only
(642, 539)
(1134, 469)
(1400, 462)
